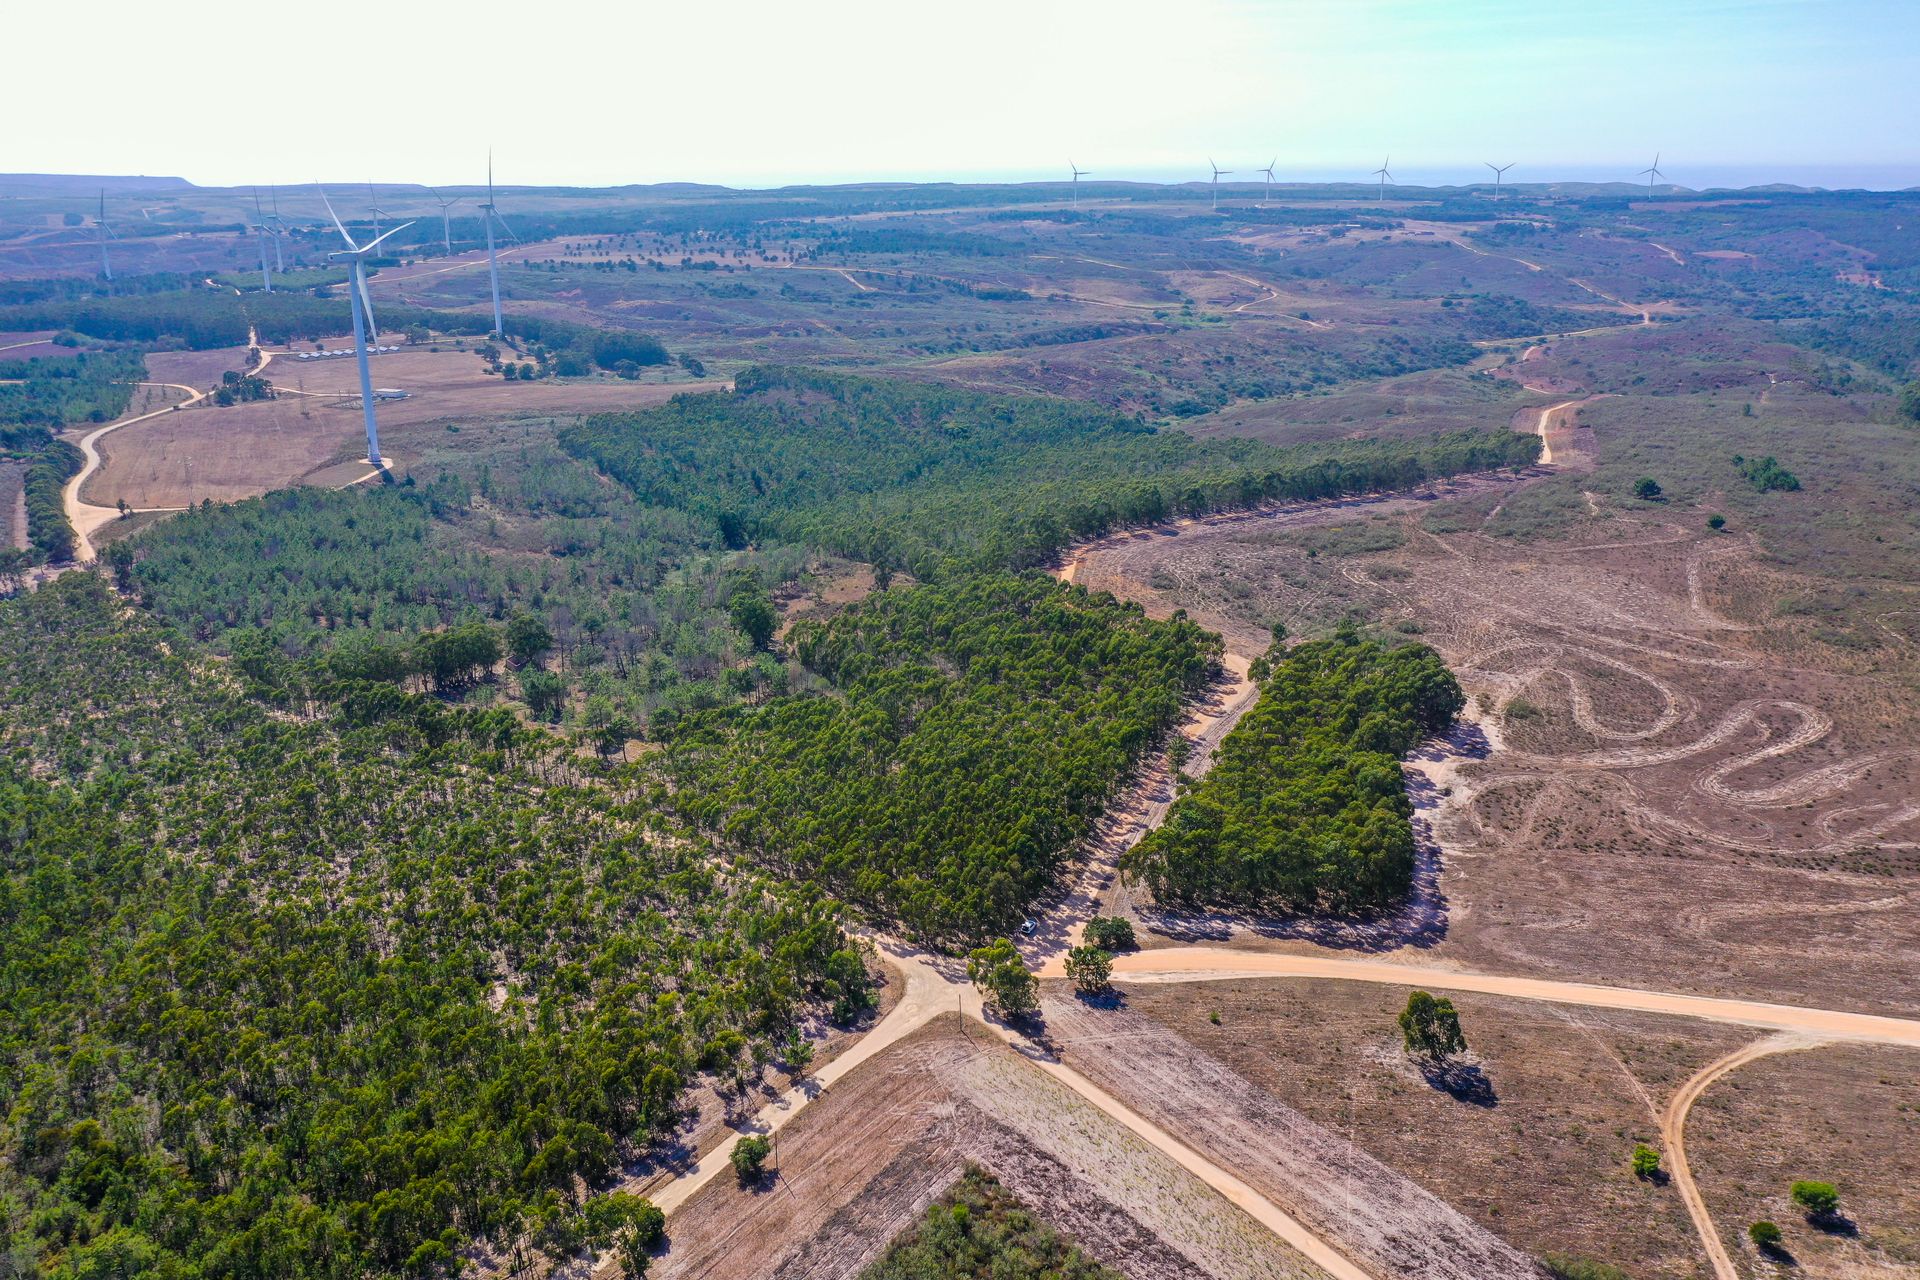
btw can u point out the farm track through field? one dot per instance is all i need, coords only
(1673, 1128)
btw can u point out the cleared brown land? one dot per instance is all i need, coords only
(1383, 1217)
(863, 1160)
(1534, 1144)
(197, 369)
(1661, 775)
(313, 426)
(1842, 1114)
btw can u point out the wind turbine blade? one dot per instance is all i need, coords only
(258, 216)
(384, 236)
(336, 217)
(503, 225)
(366, 300)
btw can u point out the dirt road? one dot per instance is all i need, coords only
(1189, 964)
(1673, 1127)
(85, 517)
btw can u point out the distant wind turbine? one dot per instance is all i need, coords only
(1217, 171)
(101, 231)
(1384, 176)
(355, 256)
(260, 234)
(446, 223)
(1499, 171)
(1267, 194)
(492, 215)
(1652, 173)
(374, 197)
(1078, 173)
(279, 230)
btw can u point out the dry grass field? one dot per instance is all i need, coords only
(313, 433)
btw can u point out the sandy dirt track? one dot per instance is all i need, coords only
(1673, 1133)
(1188, 964)
(84, 517)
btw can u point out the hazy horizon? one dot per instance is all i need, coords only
(1728, 92)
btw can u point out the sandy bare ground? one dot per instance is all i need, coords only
(1190, 964)
(315, 425)
(1396, 1227)
(87, 517)
(1673, 1131)
(885, 1140)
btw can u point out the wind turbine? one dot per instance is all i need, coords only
(260, 234)
(1384, 176)
(374, 196)
(355, 256)
(1499, 171)
(1078, 173)
(491, 215)
(101, 232)
(446, 223)
(1217, 171)
(1267, 192)
(1652, 173)
(279, 231)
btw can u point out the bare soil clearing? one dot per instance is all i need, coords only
(880, 1145)
(315, 424)
(1841, 1114)
(1533, 1141)
(1669, 770)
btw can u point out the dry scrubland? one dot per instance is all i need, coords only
(1689, 763)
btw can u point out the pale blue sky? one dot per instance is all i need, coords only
(748, 92)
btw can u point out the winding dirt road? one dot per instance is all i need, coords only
(1673, 1125)
(85, 517)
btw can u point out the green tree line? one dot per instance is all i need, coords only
(936, 479)
(969, 735)
(1305, 808)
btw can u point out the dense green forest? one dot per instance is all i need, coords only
(635, 598)
(932, 479)
(89, 386)
(331, 996)
(971, 733)
(1305, 807)
(978, 1229)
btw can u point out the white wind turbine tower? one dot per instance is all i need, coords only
(1652, 173)
(355, 256)
(1217, 171)
(1384, 175)
(279, 229)
(446, 222)
(1078, 173)
(490, 215)
(1267, 192)
(374, 197)
(101, 231)
(1499, 171)
(260, 234)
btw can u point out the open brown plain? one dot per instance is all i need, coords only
(861, 1162)
(1533, 1144)
(314, 426)
(1664, 801)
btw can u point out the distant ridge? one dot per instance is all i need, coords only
(66, 184)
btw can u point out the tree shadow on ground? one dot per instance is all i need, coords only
(1462, 1081)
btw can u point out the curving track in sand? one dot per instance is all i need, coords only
(84, 516)
(1673, 1127)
